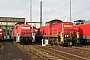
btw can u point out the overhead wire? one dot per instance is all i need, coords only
(59, 8)
(29, 7)
(50, 7)
(54, 10)
(67, 15)
(78, 13)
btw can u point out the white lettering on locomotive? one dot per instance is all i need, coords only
(68, 26)
(25, 27)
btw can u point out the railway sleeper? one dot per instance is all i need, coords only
(43, 54)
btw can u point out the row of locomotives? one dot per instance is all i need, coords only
(84, 30)
(57, 32)
(22, 33)
(1, 34)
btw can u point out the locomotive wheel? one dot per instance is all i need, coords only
(53, 41)
(62, 44)
(83, 41)
(27, 40)
(49, 41)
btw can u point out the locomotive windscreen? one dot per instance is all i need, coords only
(55, 22)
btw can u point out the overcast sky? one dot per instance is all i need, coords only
(52, 9)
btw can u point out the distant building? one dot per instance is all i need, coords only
(35, 24)
(8, 22)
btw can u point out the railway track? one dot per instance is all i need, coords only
(46, 54)
(69, 54)
(50, 52)
(84, 49)
(40, 54)
(80, 49)
(56, 52)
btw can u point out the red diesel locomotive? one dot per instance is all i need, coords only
(59, 32)
(1, 34)
(84, 30)
(22, 33)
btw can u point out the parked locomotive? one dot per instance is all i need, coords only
(84, 30)
(58, 32)
(1, 34)
(22, 33)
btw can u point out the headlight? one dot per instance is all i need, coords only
(67, 35)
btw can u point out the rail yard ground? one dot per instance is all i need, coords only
(9, 51)
(16, 51)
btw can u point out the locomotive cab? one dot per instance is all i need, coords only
(56, 21)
